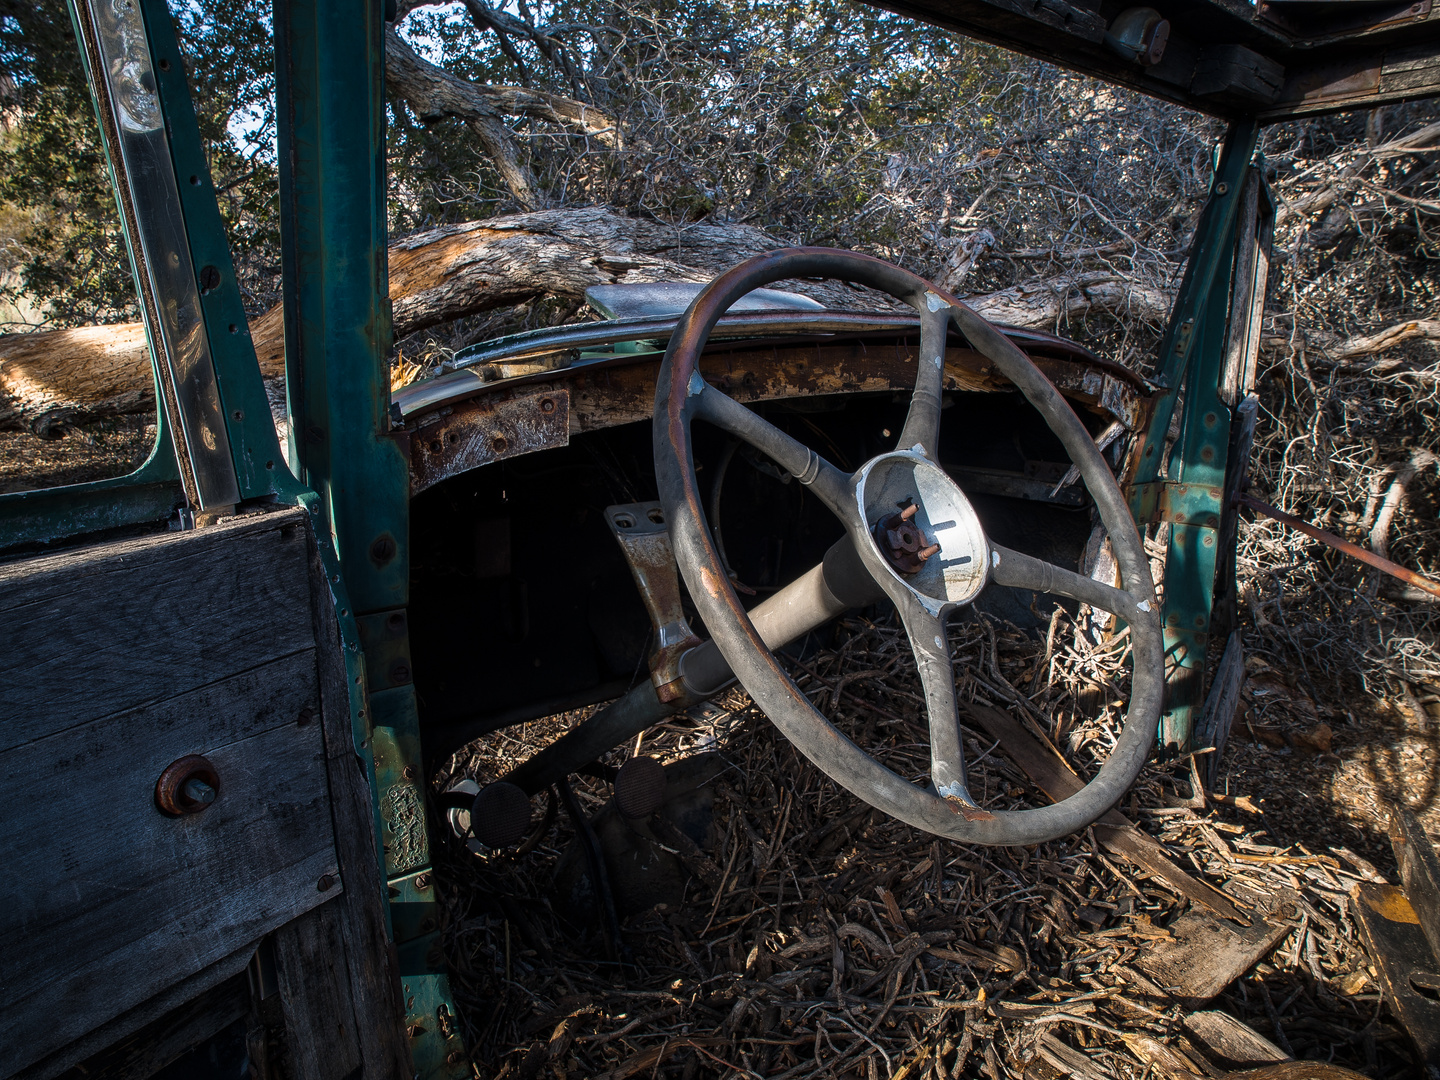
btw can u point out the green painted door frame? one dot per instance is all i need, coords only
(330, 81)
(1185, 489)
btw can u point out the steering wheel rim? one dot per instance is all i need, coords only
(682, 395)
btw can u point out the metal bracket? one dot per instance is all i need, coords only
(640, 529)
(1179, 504)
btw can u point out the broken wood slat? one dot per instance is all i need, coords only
(1419, 871)
(1398, 947)
(372, 977)
(1221, 705)
(1115, 832)
(1164, 1061)
(1230, 1043)
(320, 1026)
(1204, 955)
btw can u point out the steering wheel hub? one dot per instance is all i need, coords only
(925, 533)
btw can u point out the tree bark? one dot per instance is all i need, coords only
(69, 376)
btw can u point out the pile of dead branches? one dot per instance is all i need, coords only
(819, 938)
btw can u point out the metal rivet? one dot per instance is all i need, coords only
(383, 549)
(546, 405)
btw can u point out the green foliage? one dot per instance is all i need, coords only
(66, 243)
(61, 226)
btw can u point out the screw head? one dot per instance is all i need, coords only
(382, 550)
(326, 883)
(399, 672)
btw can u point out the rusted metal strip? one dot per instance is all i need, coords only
(1355, 551)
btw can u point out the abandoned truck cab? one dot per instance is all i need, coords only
(235, 670)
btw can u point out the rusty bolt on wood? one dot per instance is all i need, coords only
(187, 786)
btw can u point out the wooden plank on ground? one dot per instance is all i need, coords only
(93, 632)
(1230, 1043)
(1053, 775)
(1204, 955)
(1398, 948)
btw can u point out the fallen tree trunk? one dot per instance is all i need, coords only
(62, 377)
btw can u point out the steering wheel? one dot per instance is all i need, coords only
(912, 535)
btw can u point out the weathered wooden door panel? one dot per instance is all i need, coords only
(93, 632)
(109, 901)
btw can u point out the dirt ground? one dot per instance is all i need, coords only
(95, 452)
(840, 943)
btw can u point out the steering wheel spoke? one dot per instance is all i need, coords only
(828, 483)
(922, 422)
(931, 648)
(1022, 571)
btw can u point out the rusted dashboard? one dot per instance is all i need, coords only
(461, 421)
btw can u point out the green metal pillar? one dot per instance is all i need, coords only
(1192, 363)
(330, 96)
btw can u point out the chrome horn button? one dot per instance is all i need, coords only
(917, 517)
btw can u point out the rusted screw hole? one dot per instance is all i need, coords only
(408, 772)
(452, 438)
(498, 444)
(656, 516)
(546, 405)
(395, 623)
(624, 522)
(435, 447)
